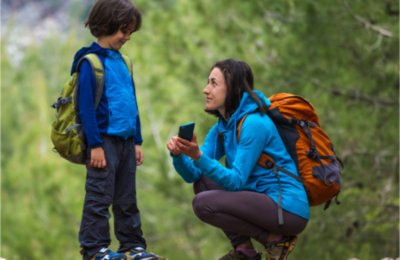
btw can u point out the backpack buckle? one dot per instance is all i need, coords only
(313, 154)
(266, 161)
(269, 164)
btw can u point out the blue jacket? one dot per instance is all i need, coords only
(117, 113)
(258, 134)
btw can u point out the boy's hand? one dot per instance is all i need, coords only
(97, 158)
(139, 155)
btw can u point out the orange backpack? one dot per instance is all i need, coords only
(308, 145)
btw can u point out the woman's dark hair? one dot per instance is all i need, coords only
(108, 16)
(239, 79)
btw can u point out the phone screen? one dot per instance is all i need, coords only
(186, 131)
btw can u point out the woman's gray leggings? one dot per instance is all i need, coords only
(242, 214)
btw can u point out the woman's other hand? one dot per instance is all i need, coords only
(171, 146)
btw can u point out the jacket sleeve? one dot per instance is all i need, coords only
(255, 134)
(185, 166)
(138, 134)
(87, 113)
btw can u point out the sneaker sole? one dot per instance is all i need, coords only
(148, 258)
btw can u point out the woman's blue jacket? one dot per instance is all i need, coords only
(241, 172)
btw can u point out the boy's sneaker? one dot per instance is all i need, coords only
(235, 255)
(107, 254)
(280, 250)
(138, 253)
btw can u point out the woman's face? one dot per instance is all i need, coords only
(216, 91)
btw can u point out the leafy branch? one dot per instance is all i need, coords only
(368, 24)
(357, 95)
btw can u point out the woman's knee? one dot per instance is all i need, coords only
(205, 184)
(201, 205)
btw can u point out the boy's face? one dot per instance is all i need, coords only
(114, 41)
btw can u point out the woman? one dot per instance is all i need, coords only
(242, 198)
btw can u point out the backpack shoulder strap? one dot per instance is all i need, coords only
(98, 70)
(239, 127)
(241, 121)
(128, 63)
(263, 157)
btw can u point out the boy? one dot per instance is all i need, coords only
(113, 135)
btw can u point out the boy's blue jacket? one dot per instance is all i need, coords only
(117, 113)
(258, 134)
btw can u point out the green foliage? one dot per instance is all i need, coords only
(341, 55)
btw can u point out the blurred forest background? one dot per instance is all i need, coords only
(343, 55)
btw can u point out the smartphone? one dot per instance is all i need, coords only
(186, 131)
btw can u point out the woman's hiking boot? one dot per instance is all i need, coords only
(235, 255)
(279, 250)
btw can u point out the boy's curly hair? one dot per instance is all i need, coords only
(108, 16)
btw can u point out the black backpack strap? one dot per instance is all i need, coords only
(60, 102)
(280, 211)
(267, 162)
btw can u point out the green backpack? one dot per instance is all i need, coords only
(66, 129)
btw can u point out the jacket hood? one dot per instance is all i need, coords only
(247, 105)
(228, 128)
(93, 48)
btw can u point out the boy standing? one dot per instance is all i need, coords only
(113, 135)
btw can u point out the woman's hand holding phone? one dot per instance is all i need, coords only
(185, 143)
(189, 148)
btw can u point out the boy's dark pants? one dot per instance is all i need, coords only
(114, 185)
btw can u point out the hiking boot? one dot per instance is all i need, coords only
(280, 250)
(107, 254)
(235, 255)
(138, 253)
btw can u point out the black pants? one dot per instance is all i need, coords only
(115, 185)
(242, 214)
